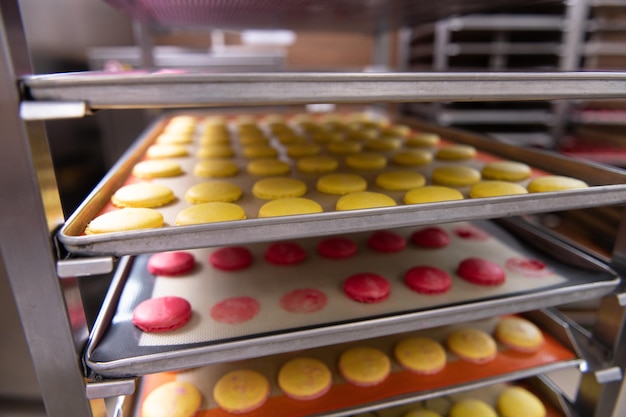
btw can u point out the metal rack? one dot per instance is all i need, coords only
(41, 279)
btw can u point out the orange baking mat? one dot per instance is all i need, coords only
(400, 383)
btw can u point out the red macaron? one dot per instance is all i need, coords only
(431, 237)
(428, 280)
(285, 253)
(481, 271)
(386, 241)
(367, 288)
(337, 248)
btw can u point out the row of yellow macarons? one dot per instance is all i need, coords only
(307, 378)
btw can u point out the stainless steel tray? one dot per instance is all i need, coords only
(114, 346)
(398, 393)
(609, 188)
(162, 90)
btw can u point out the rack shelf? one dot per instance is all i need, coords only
(158, 90)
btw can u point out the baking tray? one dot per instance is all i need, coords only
(400, 391)
(176, 89)
(117, 348)
(608, 188)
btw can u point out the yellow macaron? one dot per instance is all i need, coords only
(364, 366)
(142, 194)
(279, 187)
(129, 218)
(206, 192)
(364, 200)
(366, 161)
(156, 168)
(506, 171)
(519, 402)
(172, 399)
(431, 194)
(455, 152)
(412, 157)
(215, 168)
(455, 176)
(216, 211)
(289, 206)
(422, 355)
(268, 167)
(554, 183)
(304, 378)
(495, 189)
(340, 184)
(400, 180)
(241, 391)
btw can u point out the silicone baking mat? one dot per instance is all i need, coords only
(401, 385)
(254, 229)
(267, 284)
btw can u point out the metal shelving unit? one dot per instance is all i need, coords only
(41, 278)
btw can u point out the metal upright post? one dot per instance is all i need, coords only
(29, 211)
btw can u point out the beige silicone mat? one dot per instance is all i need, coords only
(267, 283)
(401, 385)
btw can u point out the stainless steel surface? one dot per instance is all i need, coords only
(609, 189)
(116, 90)
(49, 110)
(612, 374)
(499, 21)
(31, 209)
(503, 48)
(82, 267)
(339, 15)
(110, 388)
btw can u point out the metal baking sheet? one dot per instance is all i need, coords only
(608, 188)
(402, 390)
(141, 89)
(117, 348)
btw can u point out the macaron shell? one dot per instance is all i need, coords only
(519, 402)
(367, 288)
(519, 334)
(304, 378)
(431, 237)
(231, 258)
(161, 314)
(473, 345)
(386, 241)
(364, 366)
(171, 263)
(422, 355)
(241, 391)
(428, 280)
(172, 399)
(481, 271)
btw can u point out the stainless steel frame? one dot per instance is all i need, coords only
(31, 210)
(31, 206)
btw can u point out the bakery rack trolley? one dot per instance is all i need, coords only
(44, 283)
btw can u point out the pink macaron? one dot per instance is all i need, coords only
(231, 258)
(161, 314)
(171, 263)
